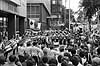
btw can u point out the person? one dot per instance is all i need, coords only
(96, 60)
(53, 61)
(2, 60)
(11, 62)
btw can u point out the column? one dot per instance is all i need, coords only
(11, 26)
(21, 26)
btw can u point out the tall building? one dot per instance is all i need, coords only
(12, 17)
(38, 10)
(55, 20)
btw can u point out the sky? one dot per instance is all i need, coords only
(74, 4)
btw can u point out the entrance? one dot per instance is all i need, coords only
(3, 28)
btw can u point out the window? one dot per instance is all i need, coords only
(28, 9)
(28, 16)
(37, 9)
(33, 10)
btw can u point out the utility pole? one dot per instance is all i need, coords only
(69, 14)
(98, 15)
(65, 12)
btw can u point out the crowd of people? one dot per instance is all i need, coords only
(54, 48)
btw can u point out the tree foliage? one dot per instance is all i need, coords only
(91, 7)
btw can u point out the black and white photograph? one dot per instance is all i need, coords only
(49, 32)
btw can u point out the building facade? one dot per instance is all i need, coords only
(39, 10)
(55, 20)
(12, 17)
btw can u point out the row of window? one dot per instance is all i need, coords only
(57, 2)
(33, 9)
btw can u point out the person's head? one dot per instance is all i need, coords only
(1, 52)
(29, 43)
(73, 51)
(29, 63)
(34, 43)
(98, 50)
(82, 54)
(52, 65)
(69, 50)
(53, 61)
(2, 60)
(61, 49)
(64, 63)
(82, 46)
(21, 58)
(12, 58)
(41, 64)
(35, 58)
(59, 58)
(26, 56)
(45, 59)
(51, 47)
(75, 60)
(66, 54)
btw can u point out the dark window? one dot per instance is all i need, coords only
(33, 10)
(37, 9)
(28, 9)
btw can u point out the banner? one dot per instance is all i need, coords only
(31, 23)
(39, 26)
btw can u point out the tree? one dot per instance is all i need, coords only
(80, 16)
(91, 7)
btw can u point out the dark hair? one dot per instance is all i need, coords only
(26, 56)
(59, 58)
(73, 51)
(12, 58)
(61, 49)
(98, 50)
(29, 43)
(63, 63)
(29, 63)
(75, 60)
(35, 58)
(69, 50)
(51, 47)
(21, 58)
(81, 54)
(82, 46)
(53, 61)
(34, 43)
(2, 60)
(45, 59)
(66, 54)
(52, 65)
